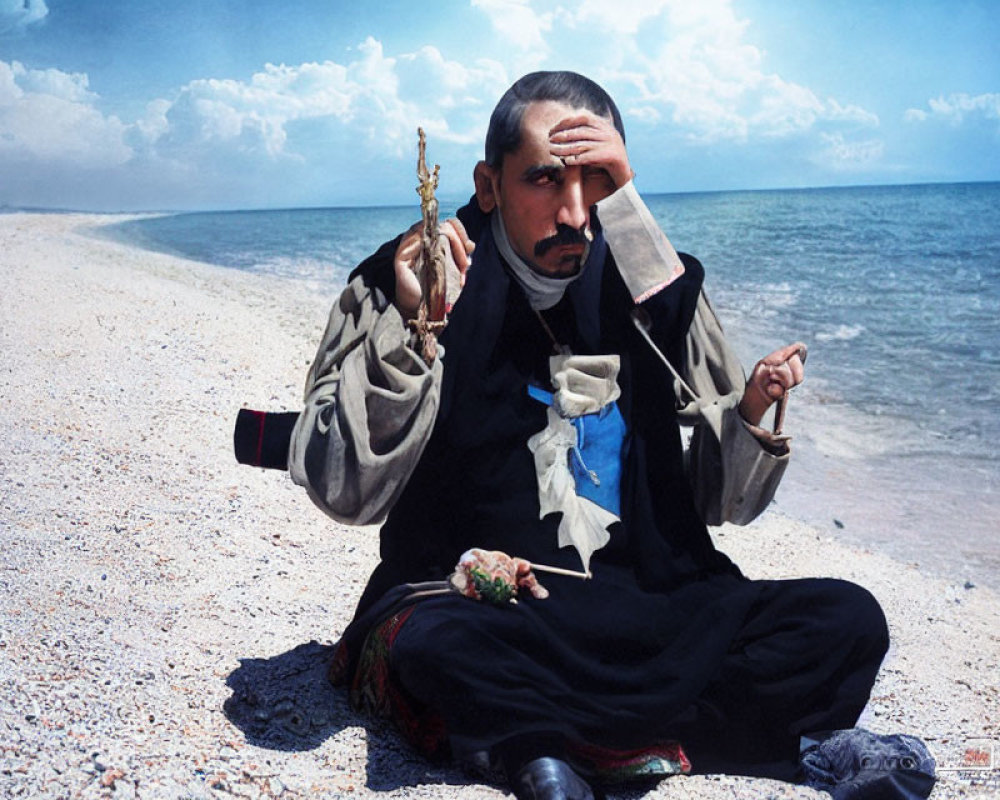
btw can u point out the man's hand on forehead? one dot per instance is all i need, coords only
(588, 140)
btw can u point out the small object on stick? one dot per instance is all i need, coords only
(430, 266)
(496, 577)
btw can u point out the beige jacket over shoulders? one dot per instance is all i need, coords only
(370, 404)
(734, 471)
(371, 401)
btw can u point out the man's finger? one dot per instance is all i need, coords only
(779, 381)
(408, 249)
(786, 353)
(456, 248)
(568, 124)
(405, 262)
(773, 379)
(797, 368)
(459, 242)
(566, 144)
(463, 234)
(590, 121)
(572, 155)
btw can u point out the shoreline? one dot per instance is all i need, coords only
(888, 478)
(144, 569)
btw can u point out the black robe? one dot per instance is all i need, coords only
(641, 654)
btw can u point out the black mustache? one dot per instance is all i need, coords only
(564, 235)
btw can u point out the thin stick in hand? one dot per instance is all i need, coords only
(779, 413)
(560, 571)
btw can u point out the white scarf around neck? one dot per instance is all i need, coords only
(543, 291)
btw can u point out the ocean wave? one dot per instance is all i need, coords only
(842, 333)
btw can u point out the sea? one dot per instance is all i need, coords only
(895, 290)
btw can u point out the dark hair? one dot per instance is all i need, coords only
(571, 88)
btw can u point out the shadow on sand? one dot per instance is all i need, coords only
(286, 703)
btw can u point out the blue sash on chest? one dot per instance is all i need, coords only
(596, 460)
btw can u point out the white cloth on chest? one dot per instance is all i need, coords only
(585, 385)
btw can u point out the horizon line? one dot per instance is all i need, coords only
(449, 200)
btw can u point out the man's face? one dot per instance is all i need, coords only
(539, 197)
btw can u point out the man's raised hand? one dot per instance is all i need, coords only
(591, 140)
(458, 254)
(772, 377)
(494, 576)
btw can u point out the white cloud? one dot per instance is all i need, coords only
(614, 15)
(17, 14)
(956, 108)
(283, 121)
(47, 115)
(783, 108)
(679, 64)
(849, 113)
(10, 92)
(453, 100)
(154, 123)
(381, 99)
(844, 155)
(680, 70)
(518, 23)
(251, 118)
(700, 77)
(647, 114)
(71, 87)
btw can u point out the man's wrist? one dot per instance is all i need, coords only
(753, 405)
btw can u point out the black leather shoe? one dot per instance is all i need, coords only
(549, 779)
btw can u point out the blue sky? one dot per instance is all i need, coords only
(199, 104)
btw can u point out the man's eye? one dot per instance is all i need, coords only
(542, 176)
(546, 178)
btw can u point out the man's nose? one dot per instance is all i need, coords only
(572, 206)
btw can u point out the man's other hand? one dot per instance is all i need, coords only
(458, 254)
(589, 140)
(771, 379)
(494, 576)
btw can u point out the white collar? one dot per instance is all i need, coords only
(543, 291)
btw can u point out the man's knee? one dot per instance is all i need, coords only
(855, 617)
(425, 641)
(435, 642)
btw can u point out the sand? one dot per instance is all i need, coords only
(148, 580)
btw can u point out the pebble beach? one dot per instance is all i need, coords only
(166, 615)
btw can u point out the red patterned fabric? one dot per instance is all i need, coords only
(375, 692)
(618, 766)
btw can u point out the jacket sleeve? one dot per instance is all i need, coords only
(370, 405)
(734, 467)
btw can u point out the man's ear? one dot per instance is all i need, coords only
(487, 181)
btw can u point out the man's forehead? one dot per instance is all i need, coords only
(540, 116)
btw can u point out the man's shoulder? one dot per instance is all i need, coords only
(686, 287)
(672, 309)
(694, 272)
